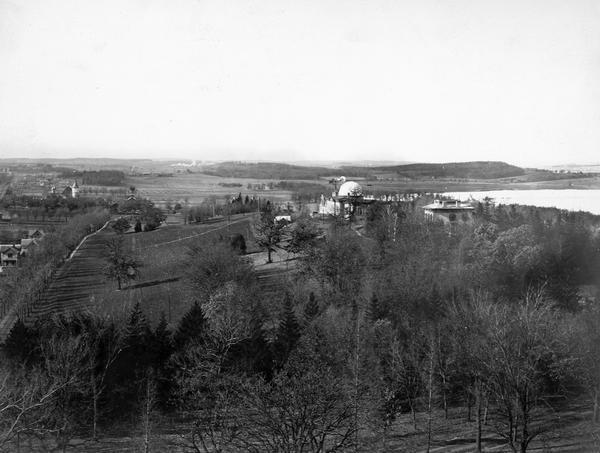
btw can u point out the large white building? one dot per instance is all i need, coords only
(342, 202)
(450, 212)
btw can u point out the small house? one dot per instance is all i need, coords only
(9, 255)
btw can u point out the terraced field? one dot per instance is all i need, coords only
(81, 284)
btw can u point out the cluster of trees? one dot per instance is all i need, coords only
(52, 207)
(212, 207)
(148, 216)
(405, 321)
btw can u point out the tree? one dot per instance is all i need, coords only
(288, 332)
(303, 235)
(268, 232)
(312, 309)
(212, 266)
(27, 396)
(102, 345)
(238, 243)
(20, 343)
(191, 327)
(131, 367)
(305, 408)
(152, 217)
(121, 267)
(121, 225)
(338, 263)
(586, 349)
(519, 351)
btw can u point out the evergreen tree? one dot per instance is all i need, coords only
(162, 349)
(132, 364)
(191, 327)
(163, 343)
(288, 332)
(311, 311)
(20, 343)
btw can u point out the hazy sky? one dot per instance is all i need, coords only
(418, 80)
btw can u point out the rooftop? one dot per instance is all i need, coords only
(455, 205)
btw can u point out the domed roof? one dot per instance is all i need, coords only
(351, 189)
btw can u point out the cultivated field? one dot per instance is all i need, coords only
(81, 283)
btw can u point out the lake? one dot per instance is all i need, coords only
(570, 199)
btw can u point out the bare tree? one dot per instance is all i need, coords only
(102, 345)
(586, 349)
(25, 396)
(301, 410)
(519, 350)
(268, 233)
(121, 267)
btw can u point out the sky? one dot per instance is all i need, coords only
(403, 80)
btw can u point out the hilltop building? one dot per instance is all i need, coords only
(343, 201)
(450, 212)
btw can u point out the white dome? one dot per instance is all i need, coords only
(351, 189)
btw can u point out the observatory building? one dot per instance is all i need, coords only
(345, 201)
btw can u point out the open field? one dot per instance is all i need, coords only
(195, 187)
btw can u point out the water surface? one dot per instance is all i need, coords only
(570, 199)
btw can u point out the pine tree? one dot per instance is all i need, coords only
(137, 327)
(162, 349)
(20, 342)
(138, 338)
(288, 333)
(191, 327)
(311, 311)
(132, 364)
(163, 343)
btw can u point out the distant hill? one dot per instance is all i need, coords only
(273, 170)
(269, 170)
(466, 170)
